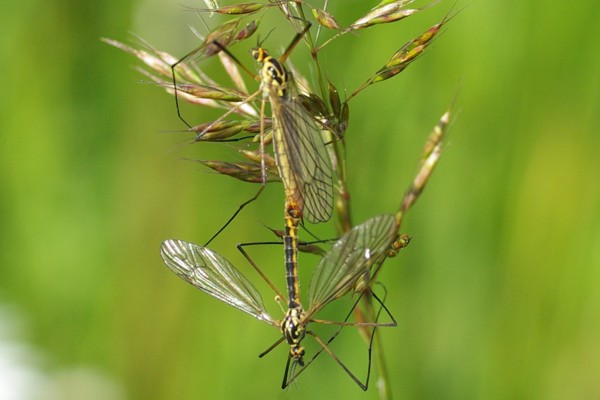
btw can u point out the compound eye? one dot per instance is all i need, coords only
(258, 54)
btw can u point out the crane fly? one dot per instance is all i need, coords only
(349, 259)
(301, 157)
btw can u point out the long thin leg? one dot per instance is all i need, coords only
(284, 384)
(267, 351)
(294, 42)
(240, 208)
(324, 345)
(175, 82)
(240, 248)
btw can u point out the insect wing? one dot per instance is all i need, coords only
(349, 259)
(304, 164)
(214, 275)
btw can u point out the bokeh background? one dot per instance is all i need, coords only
(497, 297)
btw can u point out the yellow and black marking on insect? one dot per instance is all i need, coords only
(290, 249)
(292, 327)
(274, 77)
(294, 330)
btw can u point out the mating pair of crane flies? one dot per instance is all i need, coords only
(300, 153)
(305, 170)
(350, 260)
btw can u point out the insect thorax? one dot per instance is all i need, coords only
(273, 75)
(293, 330)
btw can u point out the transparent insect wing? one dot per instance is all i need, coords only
(214, 275)
(349, 259)
(302, 158)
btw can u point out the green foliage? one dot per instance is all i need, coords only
(496, 296)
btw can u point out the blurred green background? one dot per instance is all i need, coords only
(497, 297)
